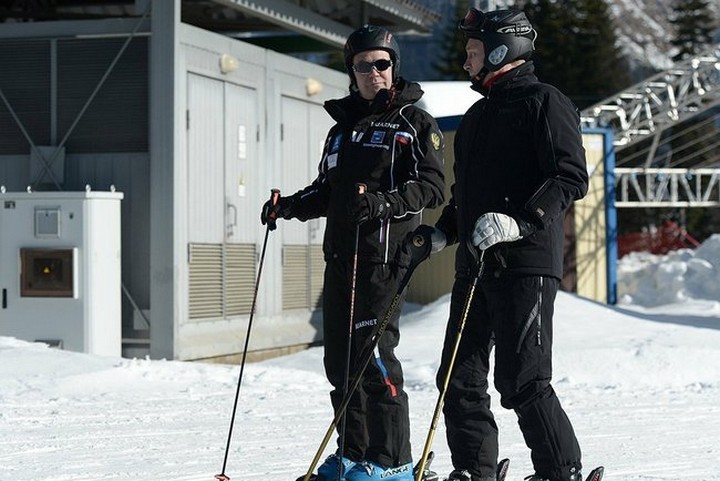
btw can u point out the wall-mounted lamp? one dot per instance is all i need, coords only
(313, 87)
(228, 63)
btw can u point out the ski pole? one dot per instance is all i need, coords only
(451, 364)
(420, 250)
(274, 197)
(361, 188)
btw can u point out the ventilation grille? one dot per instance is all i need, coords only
(302, 277)
(221, 280)
(317, 268)
(205, 281)
(295, 277)
(239, 278)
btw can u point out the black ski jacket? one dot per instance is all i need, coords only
(391, 146)
(518, 151)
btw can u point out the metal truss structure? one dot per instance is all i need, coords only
(651, 106)
(649, 187)
(644, 111)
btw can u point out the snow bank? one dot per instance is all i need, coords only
(679, 276)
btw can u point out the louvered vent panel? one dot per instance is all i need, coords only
(117, 118)
(295, 277)
(317, 269)
(206, 281)
(25, 83)
(239, 278)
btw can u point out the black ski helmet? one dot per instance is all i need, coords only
(370, 37)
(507, 35)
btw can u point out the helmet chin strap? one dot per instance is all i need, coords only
(479, 78)
(483, 72)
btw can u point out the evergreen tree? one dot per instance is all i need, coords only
(576, 49)
(693, 22)
(695, 144)
(450, 64)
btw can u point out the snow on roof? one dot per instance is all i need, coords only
(448, 98)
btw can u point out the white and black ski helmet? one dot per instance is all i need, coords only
(507, 35)
(370, 37)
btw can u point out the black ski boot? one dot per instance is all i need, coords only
(595, 475)
(465, 475)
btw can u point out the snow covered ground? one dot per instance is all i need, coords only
(640, 383)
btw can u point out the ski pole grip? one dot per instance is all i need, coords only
(274, 196)
(272, 212)
(361, 188)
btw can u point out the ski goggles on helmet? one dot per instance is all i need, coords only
(473, 21)
(366, 67)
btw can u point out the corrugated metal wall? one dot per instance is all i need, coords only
(25, 81)
(47, 82)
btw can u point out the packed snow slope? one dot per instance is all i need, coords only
(641, 385)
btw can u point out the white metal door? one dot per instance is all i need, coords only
(206, 161)
(304, 127)
(242, 164)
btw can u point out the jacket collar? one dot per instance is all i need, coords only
(519, 76)
(352, 108)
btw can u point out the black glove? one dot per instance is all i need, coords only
(369, 206)
(271, 212)
(431, 236)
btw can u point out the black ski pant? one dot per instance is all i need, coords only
(513, 314)
(377, 418)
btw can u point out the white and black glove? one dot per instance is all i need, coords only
(493, 228)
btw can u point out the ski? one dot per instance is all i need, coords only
(502, 469)
(427, 475)
(596, 474)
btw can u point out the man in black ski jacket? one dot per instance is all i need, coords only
(519, 163)
(384, 142)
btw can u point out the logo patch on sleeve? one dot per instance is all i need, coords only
(435, 139)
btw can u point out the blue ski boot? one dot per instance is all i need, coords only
(328, 471)
(369, 471)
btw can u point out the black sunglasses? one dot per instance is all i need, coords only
(366, 67)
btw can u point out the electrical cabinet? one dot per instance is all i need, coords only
(60, 274)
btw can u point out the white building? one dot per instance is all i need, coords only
(194, 127)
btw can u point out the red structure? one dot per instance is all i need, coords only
(668, 237)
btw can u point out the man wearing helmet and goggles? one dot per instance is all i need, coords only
(395, 149)
(519, 164)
